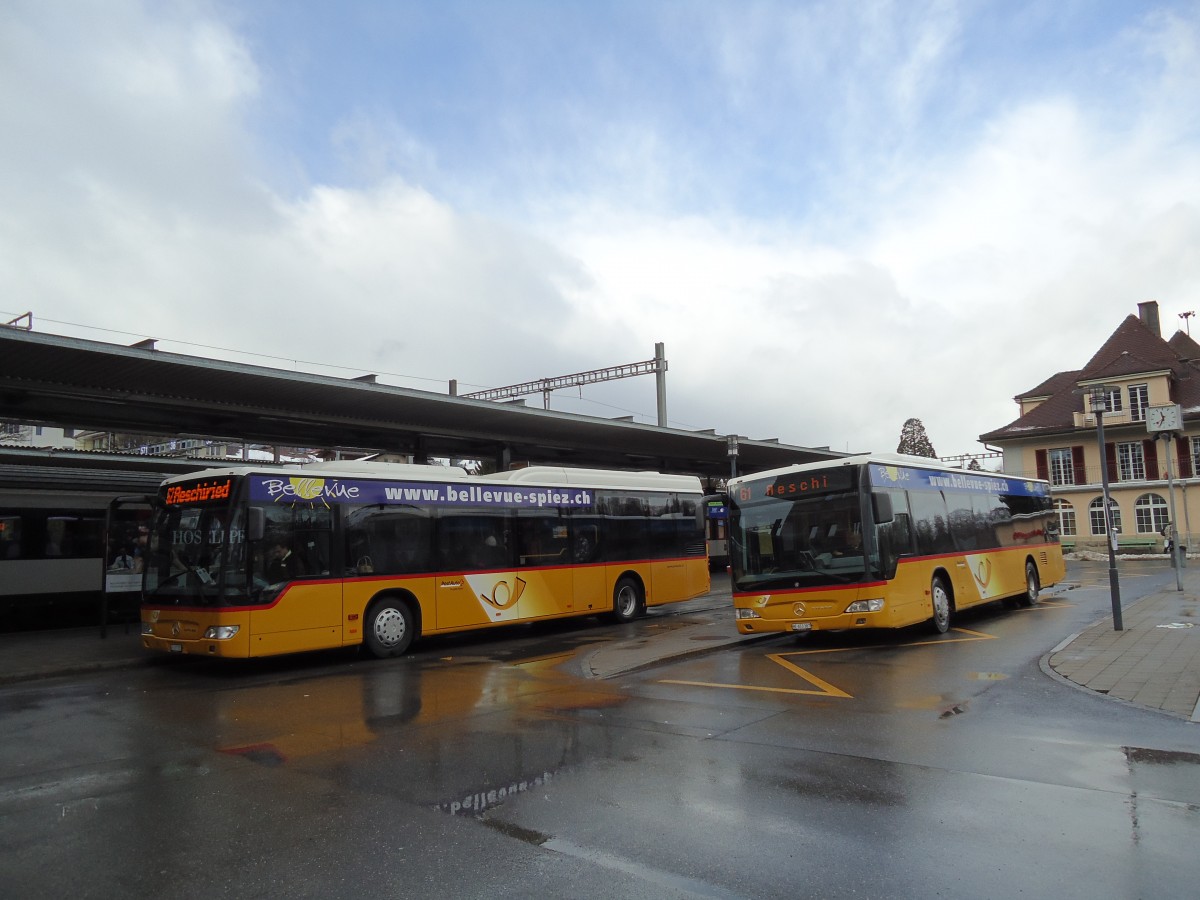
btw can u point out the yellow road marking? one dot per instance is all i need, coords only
(826, 689)
(974, 636)
(1044, 605)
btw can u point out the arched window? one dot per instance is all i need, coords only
(1152, 514)
(1096, 514)
(1066, 517)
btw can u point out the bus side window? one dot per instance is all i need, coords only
(473, 539)
(542, 537)
(928, 510)
(902, 534)
(586, 535)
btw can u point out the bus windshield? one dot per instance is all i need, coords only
(790, 538)
(197, 556)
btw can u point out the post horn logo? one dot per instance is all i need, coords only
(502, 595)
(983, 572)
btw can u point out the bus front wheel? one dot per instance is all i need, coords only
(627, 600)
(941, 606)
(389, 627)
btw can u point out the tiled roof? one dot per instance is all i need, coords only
(1132, 337)
(1131, 350)
(1125, 365)
(1183, 346)
(1051, 385)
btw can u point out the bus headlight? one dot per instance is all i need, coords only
(147, 628)
(865, 606)
(746, 614)
(221, 632)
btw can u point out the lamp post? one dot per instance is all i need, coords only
(731, 447)
(1099, 395)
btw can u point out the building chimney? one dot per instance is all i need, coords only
(1148, 313)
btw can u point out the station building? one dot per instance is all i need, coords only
(1056, 437)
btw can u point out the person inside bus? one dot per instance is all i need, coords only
(283, 564)
(852, 544)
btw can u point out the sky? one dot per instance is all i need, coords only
(834, 215)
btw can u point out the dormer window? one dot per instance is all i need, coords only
(1113, 401)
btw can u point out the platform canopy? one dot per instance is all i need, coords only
(82, 384)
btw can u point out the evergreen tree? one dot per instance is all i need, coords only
(914, 441)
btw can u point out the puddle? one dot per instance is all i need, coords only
(475, 802)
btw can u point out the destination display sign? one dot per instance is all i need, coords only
(794, 485)
(191, 493)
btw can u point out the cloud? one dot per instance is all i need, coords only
(856, 235)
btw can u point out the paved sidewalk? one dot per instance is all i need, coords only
(27, 655)
(706, 626)
(1154, 662)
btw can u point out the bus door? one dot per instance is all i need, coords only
(302, 596)
(668, 532)
(477, 581)
(590, 589)
(544, 562)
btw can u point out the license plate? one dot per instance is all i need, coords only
(176, 648)
(802, 626)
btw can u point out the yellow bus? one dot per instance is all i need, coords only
(885, 541)
(248, 562)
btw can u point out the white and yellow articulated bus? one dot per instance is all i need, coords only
(885, 541)
(248, 562)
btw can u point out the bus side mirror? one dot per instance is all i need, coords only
(881, 506)
(255, 523)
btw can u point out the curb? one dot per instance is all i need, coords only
(1047, 669)
(74, 669)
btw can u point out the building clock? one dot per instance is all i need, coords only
(1164, 418)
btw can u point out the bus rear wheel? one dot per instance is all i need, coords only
(940, 595)
(389, 628)
(1033, 585)
(627, 600)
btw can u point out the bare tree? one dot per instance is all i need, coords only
(914, 441)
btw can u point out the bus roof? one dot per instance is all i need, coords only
(534, 475)
(883, 459)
